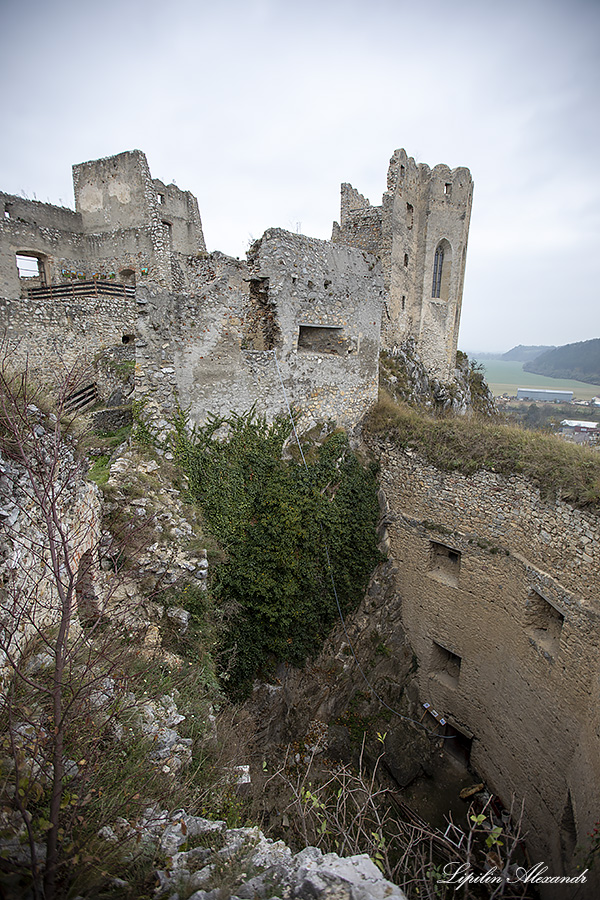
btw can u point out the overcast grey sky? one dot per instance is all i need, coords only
(263, 107)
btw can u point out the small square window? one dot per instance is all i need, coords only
(544, 623)
(322, 339)
(444, 563)
(447, 189)
(445, 665)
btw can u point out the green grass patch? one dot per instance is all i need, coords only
(100, 471)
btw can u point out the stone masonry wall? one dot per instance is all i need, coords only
(30, 602)
(500, 602)
(57, 334)
(315, 306)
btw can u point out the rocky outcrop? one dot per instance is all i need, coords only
(205, 860)
(405, 377)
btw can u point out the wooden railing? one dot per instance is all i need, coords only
(91, 288)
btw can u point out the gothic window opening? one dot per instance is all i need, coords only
(438, 265)
(442, 268)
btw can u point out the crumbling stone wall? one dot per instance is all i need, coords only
(126, 226)
(214, 348)
(499, 600)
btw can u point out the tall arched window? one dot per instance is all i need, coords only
(442, 268)
(438, 265)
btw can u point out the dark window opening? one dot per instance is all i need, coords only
(444, 563)
(128, 339)
(410, 215)
(405, 259)
(403, 301)
(457, 744)
(438, 264)
(447, 189)
(402, 171)
(445, 665)
(322, 339)
(544, 623)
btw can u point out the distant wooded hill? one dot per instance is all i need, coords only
(580, 361)
(525, 354)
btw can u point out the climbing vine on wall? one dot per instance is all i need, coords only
(277, 519)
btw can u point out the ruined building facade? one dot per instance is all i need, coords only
(301, 321)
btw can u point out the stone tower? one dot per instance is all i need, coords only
(420, 233)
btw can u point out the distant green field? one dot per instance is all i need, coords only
(505, 377)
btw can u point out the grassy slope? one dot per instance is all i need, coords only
(453, 444)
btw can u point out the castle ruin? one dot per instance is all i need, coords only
(301, 320)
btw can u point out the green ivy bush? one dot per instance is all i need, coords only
(289, 531)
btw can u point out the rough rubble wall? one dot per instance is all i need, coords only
(214, 348)
(30, 601)
(499, 600)
(54, 335)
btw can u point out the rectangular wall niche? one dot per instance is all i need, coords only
(444, 563)
(322, 339)
(445, 665)
(544, 623)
